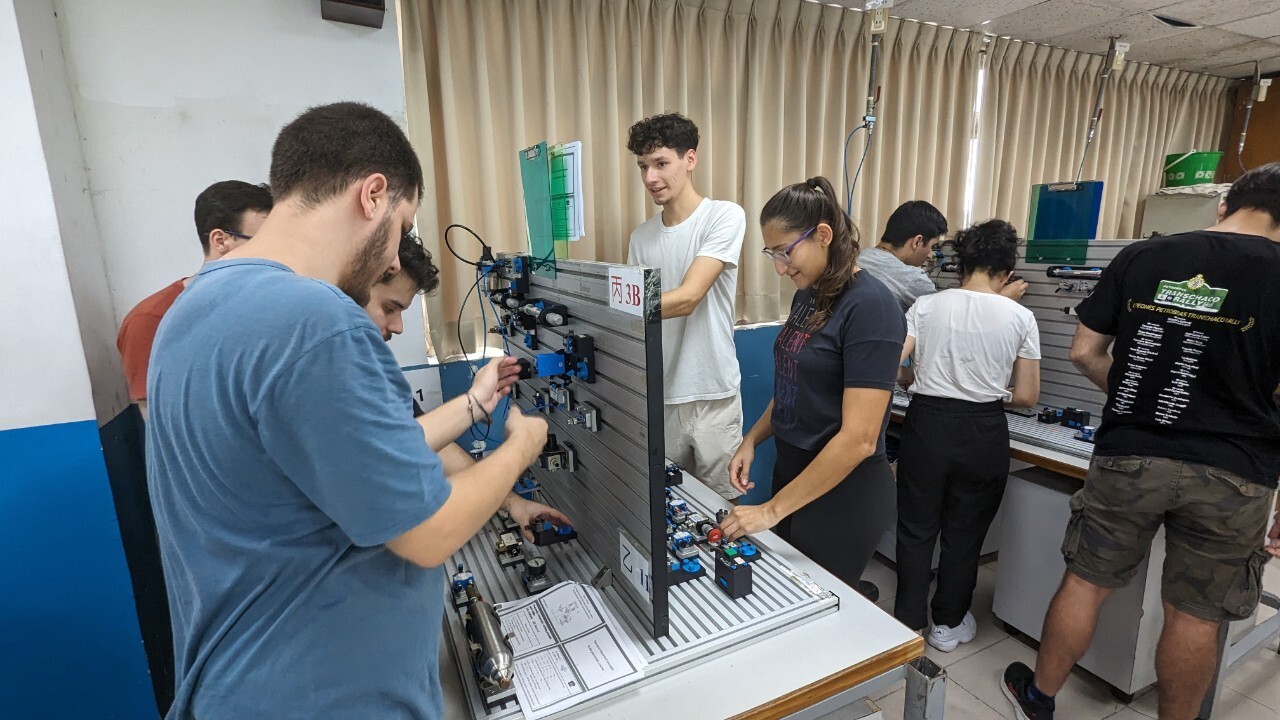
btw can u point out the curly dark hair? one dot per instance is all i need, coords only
(415, 262)
(799, 207)
(991, 246)
(328, 147)
(672, 130)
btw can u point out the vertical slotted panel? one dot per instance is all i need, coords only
(1061, 385)
(617, 486)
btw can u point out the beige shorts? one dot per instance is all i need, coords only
(702, 437)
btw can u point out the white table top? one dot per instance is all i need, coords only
(756, 674)
(1059, 457)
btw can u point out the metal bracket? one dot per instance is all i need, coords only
(603, 578)
(563, 397)
(587, 416)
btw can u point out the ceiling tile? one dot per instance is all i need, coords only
(959, 13)
(1137, 30)
(1056, 17)
(1233, 36)
(1243, 70)
(1244, 52)
(1195, 45)
(1217, 12)
(1144, 4)
(1263, 26)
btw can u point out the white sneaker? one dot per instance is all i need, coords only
(947, 639)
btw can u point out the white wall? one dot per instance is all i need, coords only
(77, 226)
(410, 346)
(43, 375)
(172, 96)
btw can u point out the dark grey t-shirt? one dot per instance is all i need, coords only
(859, 347)
(907, 282)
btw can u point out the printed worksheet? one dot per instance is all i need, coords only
(568, 647)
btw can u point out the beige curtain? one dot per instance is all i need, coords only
(774, 87)
(808, 87)
(1035, 116)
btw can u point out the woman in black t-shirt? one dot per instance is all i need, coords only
(835, 363)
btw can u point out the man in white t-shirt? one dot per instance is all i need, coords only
(696, 243)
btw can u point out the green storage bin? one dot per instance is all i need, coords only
(1193, 168)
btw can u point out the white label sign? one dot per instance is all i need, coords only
(626, 290)
(635, 566)
(424, 382)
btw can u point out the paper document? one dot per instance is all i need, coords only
(567, 212)
(567, 648)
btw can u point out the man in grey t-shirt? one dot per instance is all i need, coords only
(910, 236)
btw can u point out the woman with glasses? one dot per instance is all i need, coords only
(835, 364)
(973, 352)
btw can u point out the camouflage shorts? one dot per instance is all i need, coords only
(1215, 522)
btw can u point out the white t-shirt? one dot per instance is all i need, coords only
(699, 359)
(966, 343)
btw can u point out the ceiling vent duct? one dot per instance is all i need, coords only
(1175, 22)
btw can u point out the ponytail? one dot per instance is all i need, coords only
(798, 207)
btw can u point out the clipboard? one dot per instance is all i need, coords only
(1063, 220)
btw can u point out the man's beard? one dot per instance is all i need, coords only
(368, 265)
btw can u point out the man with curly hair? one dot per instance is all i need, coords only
(695, 242)
(388, 300)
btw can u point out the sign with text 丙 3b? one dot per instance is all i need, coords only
(626, 293)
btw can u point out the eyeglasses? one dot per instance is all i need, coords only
(784, 256)
(237, 235)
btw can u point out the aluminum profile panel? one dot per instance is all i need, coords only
(704, 622)
(617, 486)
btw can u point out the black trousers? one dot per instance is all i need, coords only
(839, 530)
(953, 465)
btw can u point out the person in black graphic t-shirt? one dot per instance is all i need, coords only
(835, 364)
(1190, 439)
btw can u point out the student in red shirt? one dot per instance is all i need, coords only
(228, 214)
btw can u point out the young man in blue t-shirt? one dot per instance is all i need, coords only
(302, 516)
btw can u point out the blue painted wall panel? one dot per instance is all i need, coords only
(455, 379)
(755, 357)
(69, 640)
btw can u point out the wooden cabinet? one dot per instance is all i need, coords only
(1263, 143)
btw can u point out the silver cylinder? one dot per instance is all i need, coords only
(494, 661)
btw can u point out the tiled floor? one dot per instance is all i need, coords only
(974, 670)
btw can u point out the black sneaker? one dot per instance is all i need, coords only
(1016, 686)
(868, 590)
